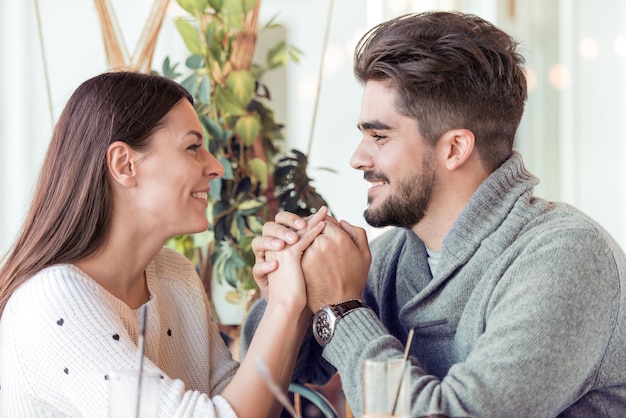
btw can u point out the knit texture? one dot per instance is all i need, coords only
(531, 296)
(61, 333)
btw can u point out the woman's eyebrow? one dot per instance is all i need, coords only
(195, 133)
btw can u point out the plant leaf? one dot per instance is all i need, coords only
(190, 84)
(194, 62)
(246, 246)
(216, 189)
(255, 224)
(214, 36)
(294, 56)
(216, 4)
(204, 92)
(277, 55)
(237, 227)
(233, 13)
(248, 5)
(169, 70)
(190, 36)
(247, 128)
(195, 7)
(226, 263)
(241, 83)
(259, 170)
(250, 206)
(214, 129)
(228, 169)
(227, 103)
(271, 24)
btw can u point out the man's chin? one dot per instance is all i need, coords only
(373, 219)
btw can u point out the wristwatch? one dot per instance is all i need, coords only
(325, 319)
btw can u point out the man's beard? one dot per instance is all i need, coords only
(406, 207)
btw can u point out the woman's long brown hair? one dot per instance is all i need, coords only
(70, 212)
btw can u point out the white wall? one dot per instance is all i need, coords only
(593, 115)
(573, 137)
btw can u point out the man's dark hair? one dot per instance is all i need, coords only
(450, 70)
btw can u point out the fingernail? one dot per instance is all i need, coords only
(300, 223)
(291, 237)
(276, 243)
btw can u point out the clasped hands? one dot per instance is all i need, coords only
(314, 261)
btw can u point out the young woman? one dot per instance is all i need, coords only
(126, 170)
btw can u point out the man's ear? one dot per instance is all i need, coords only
(120, 163)
(458, 147)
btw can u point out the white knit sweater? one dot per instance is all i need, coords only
(61, 333)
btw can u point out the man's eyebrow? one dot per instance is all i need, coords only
(363, 126)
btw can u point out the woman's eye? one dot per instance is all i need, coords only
(194, 147)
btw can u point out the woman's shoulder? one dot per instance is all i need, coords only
(56, 279)
(54, 289)
(55, 285)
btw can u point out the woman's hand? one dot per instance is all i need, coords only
(285, 230)
(285, 285)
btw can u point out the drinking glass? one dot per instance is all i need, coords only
(123, 389)
(386, 388)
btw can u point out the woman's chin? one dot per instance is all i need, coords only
(200, 226)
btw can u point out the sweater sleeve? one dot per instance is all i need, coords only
(548, 318)
(60, 338)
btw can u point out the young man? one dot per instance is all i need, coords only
(517, 303)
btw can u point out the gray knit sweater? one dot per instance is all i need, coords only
(532, 295)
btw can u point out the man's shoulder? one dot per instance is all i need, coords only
(572, 230)
(564, 219)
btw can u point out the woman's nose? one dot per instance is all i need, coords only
(213, 168)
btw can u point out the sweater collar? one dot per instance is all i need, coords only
(485, 212)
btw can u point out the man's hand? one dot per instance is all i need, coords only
(336, 264)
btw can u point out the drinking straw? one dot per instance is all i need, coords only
(142, 344)
(275, 389)
(405, 358)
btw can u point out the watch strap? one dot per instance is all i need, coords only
(342, 309)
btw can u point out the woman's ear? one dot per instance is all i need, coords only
(120, 163)
(458, 147)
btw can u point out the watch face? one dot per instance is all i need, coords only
(325, 319)
(323, 327)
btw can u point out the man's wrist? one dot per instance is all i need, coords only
(326, 318)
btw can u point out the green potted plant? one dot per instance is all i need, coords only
(233, 105)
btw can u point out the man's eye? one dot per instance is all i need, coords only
(378, 137)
